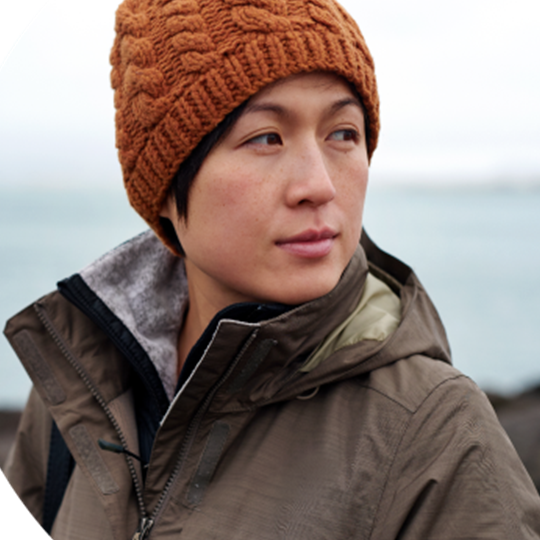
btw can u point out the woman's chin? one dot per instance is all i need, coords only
(294, 294)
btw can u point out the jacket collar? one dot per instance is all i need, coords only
(145, 287)
(258, 362)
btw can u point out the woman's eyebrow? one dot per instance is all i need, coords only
(283, 112)
(342, 103)
(267, 107)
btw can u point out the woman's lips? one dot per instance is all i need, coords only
(310, 244)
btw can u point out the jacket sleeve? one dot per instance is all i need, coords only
(26, 465)
(457, 475)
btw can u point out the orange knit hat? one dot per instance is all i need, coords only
(180, 66)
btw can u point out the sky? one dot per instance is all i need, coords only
(459, 84)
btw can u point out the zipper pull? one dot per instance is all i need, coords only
(143, 531)
(116, 448)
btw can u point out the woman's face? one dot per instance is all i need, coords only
(275, 212)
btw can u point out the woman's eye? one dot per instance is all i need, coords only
(268, 139)
(345, 135)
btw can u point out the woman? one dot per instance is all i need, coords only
(271, 374)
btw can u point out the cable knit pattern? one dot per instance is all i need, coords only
(180, 66)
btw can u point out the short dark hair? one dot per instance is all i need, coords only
(183, 179)
(188, 170)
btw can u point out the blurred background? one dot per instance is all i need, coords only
(455, 182)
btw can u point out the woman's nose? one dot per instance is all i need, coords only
(309, 181)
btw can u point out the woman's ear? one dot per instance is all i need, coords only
(167, 216)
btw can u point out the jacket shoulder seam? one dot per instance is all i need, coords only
(422, 401)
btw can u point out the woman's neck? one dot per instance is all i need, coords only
(205, 301)
(204, 304)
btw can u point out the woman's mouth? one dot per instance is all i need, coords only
(311, 244)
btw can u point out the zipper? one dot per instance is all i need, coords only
(144, 529)
(192, 431)
(145, 524)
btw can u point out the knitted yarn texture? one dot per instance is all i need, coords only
(180, 66)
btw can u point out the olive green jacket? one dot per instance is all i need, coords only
(379, 438)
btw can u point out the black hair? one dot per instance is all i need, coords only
(188, 170)
(183, 179)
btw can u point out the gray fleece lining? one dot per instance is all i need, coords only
(145, 286)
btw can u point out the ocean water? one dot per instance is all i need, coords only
(476, 250)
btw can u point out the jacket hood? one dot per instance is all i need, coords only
(419, 331)
(145, 287)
